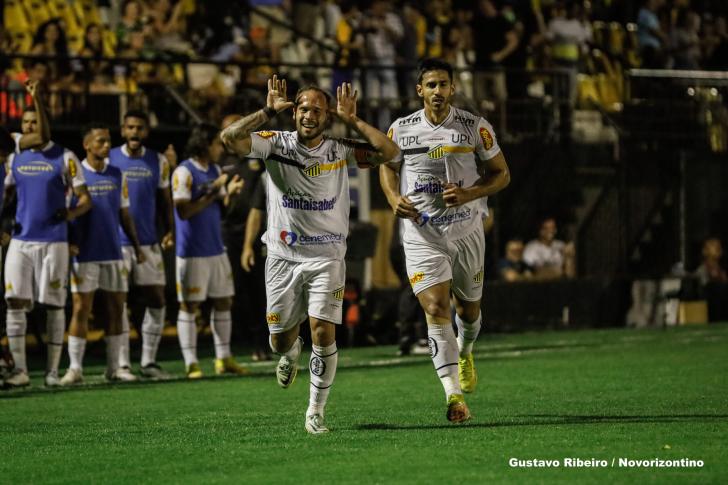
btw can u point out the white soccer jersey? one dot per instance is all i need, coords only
(433, 156)
(307, 195)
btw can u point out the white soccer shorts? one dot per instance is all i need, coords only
(461, 261)
(201, 278)
(149, 273)
(37, 271)
(297, 289)
(92, 276)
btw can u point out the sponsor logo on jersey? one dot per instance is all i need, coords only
(464, 120)
(487, 138)
(406, 141)
(9, 287)
(192, 290)
(427, 184)
(165, 170)
(451, 218)
(273, 318)
(338, 293)
(317, 366)
(72, 167)
(436, 152)
(390, 133)
(55, 284)
(409, 121)
(35, 168)
(307, 204)
(478, 277)
(101, 187)
(125, 189)
(265, 134)
(416, 278)
(175, 183)
(138, 173)
(289, 237)
(422, 219)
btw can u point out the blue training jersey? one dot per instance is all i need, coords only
(97, 230)
(145, 175)
(200, 235)
(42, 179)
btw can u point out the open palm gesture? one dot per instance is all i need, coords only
(346, 101)
(277, 98)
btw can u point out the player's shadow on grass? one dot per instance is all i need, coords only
(550, 420)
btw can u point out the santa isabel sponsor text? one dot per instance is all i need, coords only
(596, 463)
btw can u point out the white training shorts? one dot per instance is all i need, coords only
(297, 289)
(460, 261)
(99, 275)
(201, 278)
(37, 271)
(150, 272)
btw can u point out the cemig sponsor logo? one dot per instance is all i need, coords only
(35, 168)
(451, 218)
(289, 237)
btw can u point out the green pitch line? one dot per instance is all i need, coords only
(588, 395)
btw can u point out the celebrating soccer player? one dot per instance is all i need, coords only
(147, 174)
(308, 221)
(36, 266)
(99, 264)
(202, 267)
(35, 130)
(449, 163)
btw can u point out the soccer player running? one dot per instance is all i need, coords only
(36, 265)
(308, 221)
(147, 174)
(98, 262)
(202, 266)
(449, 163)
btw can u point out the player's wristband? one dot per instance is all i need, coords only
(270, 112)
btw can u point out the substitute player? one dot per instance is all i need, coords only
(36, 265)
(448, 164)
(147, 173)
(308, 221)
(202, 266)
(99, 264)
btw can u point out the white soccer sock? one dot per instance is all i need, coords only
(467, 334)
(124, 359)
(113, 347)
(221, 323)
(322, 366)
(17, 325)
(151, 334)
(444, 353)
(187, 333)
(292, 353)
(76, 349)
(55, 326)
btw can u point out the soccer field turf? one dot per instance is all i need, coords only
(593, 394)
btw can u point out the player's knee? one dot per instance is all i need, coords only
(436, 308)
(18, 304)
(222, 304)
(469, 312)
(189, 306)
(323, 334)
(155, 298)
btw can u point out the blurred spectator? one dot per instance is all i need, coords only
(549, 257)
(414, 28)
(96, 72)
(50, 40)
(684, 40)
(714, 279)
(568, 35)
(718, 57)
(652, 39)
(350, 42)
(131, 20)
(260, 50)
(439, 15)
(494, 39)
(169, 24)
(512, 267)
(384, 31)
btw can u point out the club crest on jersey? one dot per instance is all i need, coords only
(313, 171)
(487, 138)
(317, 366)
(437, 152)
(289, 237)
(338, 293)
(265, 134)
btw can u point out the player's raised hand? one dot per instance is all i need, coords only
(404, 208)
(235, 186)
(454, 195)
(32, 87)
(346, 101)
(277, 97)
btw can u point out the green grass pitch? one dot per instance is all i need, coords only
(602, 394)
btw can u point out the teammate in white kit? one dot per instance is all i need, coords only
(98, 264)
(308, 221)
(202, 266)
(36, 265)
(147, 173)
(448, 164)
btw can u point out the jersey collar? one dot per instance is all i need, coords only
(45, 147)
(89, 167)
(447, 118)
(125, 150)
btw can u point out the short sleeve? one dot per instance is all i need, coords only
(261, 144)
(181, 184)
(392, 135)
(9, 179)
(486, 145)
(163, 172)
(73, 169)
(124, 192)
(16, 138)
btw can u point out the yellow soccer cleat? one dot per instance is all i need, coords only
(466, 373)
(229, 366)
(457, 410)
(194, 371)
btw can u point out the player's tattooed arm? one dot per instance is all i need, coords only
(494, 177)
(236, 137)
(389, 181)
(378, 147)
(83, 205)
(127, 224)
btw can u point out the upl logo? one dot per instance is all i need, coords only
(289, 237)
